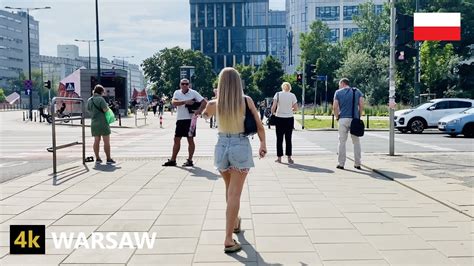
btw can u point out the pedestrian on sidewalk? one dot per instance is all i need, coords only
(284, 104)
(154, 106)
(348, 104)
(189, 104)
(97, 106)
(233, 153)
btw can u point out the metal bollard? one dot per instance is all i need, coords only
(368, 125)
(332, 123)
(23, 116)
(120, 119)
(161, 121)
(35, 116)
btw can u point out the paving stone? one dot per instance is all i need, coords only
(269, 201)
(75, 229)
(31, 260)
(454, 248)
(442, 234)
(245, 237)
(82, 219)
(219, 224)
(326, 223)
(294, 258)
(365, 208)
(136, 215)
(347, 251)
(311, 209)
(368, 229)
(415, 257)
(163, 259)
(275, 218)
(355, 262)
(180, 220)
(171, 246)
(336, 236)
(122, 225)
(423, 222)
(272, 209)
(369, 217)
(215, 253)
(171, 231)
(284, 244)
(279, 230)
(464, 261)
(398, 242)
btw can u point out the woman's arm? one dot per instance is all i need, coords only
(210, 109)
(260, 128)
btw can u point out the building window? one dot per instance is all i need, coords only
(334, 35)
(378, 9)
(222, 41)
(350, 12)
(210, 15)
(238, 14)
(238, 40)
(348, 32)
(193, 16)
(303, 17)
(293, 19)
(208, 41)
(196, 40)
(201, 15)
(327, 13)
(219, 15)
(229, 11)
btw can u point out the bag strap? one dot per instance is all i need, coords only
(92, 100)
(353, 103)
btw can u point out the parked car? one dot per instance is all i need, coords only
(461, 123)
(428, 114)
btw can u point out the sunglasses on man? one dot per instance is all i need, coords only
(185, 84)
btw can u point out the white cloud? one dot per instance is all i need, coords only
(129, 27)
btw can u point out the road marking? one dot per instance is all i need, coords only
(12, 164)
(410, 142)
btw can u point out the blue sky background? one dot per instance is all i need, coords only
(129, 27)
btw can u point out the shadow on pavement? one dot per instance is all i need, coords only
(197, 171)
(393, 175)
(309, 168)
(59, 179)
(106, 167)
(248, 249)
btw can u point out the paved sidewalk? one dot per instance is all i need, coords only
(308, 213)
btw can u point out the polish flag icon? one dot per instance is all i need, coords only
(437, 26)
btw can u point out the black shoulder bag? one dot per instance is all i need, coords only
(357, 125)
(272, 119)
(250, 124)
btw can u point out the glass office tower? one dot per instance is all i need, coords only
(234, 32)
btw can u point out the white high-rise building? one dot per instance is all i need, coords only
(70, 51)
(337, 14)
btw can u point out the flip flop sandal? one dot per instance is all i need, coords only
(237, 230)
(89, 159)
(231, 249)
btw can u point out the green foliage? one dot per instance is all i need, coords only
(437, 62)
(316, 49)
(2, 95)
(247, 76)
(269, 77)
(163, 69)
(295, 87)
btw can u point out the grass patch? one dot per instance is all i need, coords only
(327, 123)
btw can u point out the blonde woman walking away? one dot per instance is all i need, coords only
(233, 153)
(284, 104)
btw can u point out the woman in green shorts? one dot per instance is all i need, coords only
(97, 107)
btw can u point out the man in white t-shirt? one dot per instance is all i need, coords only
(189, 103)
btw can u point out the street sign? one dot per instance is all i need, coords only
(27, 91)
(70, 86)
(321, 78)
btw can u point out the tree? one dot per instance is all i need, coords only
(247, 76)
(163, 69)
(316, 49)
(269, 77)
(2, 95)
(438, 62)
(295, 87)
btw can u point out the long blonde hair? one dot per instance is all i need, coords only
(230, 101)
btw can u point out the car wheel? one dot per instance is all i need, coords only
(468, 130)
(453, 135)
(403, 130)
(416, 126)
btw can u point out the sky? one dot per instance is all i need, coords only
(136, 28)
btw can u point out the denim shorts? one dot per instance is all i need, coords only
(233, 151)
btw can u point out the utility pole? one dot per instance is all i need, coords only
(97, 39)
(391, 90)
(417, 65)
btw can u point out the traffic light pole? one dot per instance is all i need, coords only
(302, 95)
(417, 65)
(315, 92)
(391, 90)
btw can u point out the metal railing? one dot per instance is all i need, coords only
(56, 147)
(145, 113)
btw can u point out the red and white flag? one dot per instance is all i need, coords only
(437, 26)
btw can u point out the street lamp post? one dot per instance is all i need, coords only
(27, 9)
(89, 42)
(97, 40)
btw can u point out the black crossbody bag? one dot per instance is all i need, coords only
(357, 125)
(250, 124)
(272, 119)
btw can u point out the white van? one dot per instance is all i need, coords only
(428, 114)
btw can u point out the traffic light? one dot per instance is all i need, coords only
(47, 84)
(404, 37)
(311, 75)
(299, 78)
